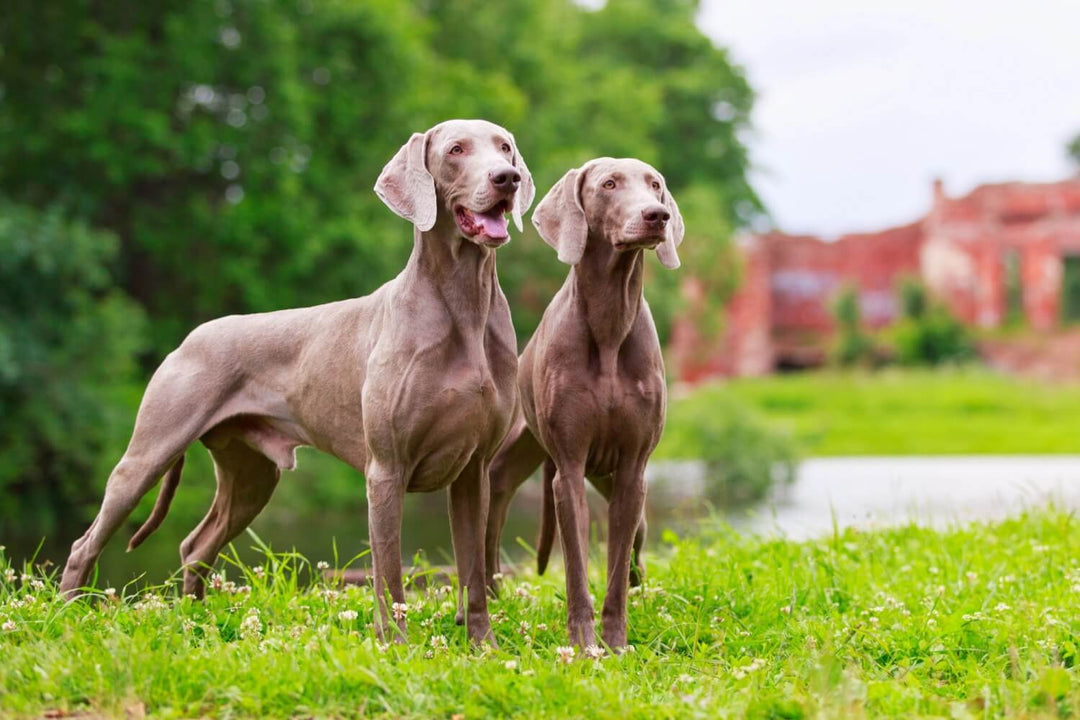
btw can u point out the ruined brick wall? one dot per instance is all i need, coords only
(962, 249)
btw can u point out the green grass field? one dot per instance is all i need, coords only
(903, 412)
(977, 621)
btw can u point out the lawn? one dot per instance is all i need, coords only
(976, 621)
(903, 412)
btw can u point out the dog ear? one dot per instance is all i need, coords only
(526, 190)
(560, 218)
(673, 236)
(406, 186)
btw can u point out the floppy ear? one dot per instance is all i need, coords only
(406, 186)
(560, 219)
(526, 190)
(673, 235)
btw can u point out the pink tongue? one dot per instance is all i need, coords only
(493, 225)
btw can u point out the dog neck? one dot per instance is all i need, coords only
(608, 290)
(460, 272)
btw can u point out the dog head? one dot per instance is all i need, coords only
(624, 202)
(467, 170)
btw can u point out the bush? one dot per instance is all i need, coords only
(928, 334)
(745, 456)
(853, 345)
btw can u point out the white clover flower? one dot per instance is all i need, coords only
(251, 626)
(9, 575)
(933, 570)
(347, 615)
(259, 571)
(497, 576)
(110, 593)
(523, 628)
(429, 654)
(151, 602)
(594, 652)
(510, 664)
(523, 592)
(400, 610)
(1002, 607)
(322, 565)
(541, 627)
(438, 642)
(8, 626)
(971, 576)
(446, 589)
(565, 654)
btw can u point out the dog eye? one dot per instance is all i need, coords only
(655, 185)
(457, 150)
(506, 147)
(609, 184)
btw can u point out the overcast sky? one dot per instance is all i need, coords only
(861, 104)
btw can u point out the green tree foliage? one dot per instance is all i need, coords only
(231, 144)
(229, 148)
(67, 346)
(1073, 150)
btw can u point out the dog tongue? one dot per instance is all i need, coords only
(492, 224)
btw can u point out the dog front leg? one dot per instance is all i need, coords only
(386, 499)
(572, 512)
(624, 518)
(468, 524)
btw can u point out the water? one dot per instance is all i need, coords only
(864, 492)
(869, 492)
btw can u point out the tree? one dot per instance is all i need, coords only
(1073, 150)
(67, 347)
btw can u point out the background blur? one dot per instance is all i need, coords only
(165, 163)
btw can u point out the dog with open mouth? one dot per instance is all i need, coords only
(413, 385)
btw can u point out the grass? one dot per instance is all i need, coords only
(901, 412)
(974, 621)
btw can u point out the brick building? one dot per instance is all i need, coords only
(1000, 254)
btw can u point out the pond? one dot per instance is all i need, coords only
(864, 492)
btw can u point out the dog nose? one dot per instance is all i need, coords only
(506, 179)
(656, 215)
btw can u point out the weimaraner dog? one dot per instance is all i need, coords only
(591, 380)
(413, 384)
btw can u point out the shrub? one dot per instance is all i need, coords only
(853, 345)
(745, 456)
(928, 334)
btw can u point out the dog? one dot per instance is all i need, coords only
(591, 381)
(414, 384)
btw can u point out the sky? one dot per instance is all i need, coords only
(861, 104)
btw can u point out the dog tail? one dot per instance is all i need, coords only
(161, 506)
(547, 519)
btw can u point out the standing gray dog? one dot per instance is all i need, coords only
(413, 384)
(592, 380)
